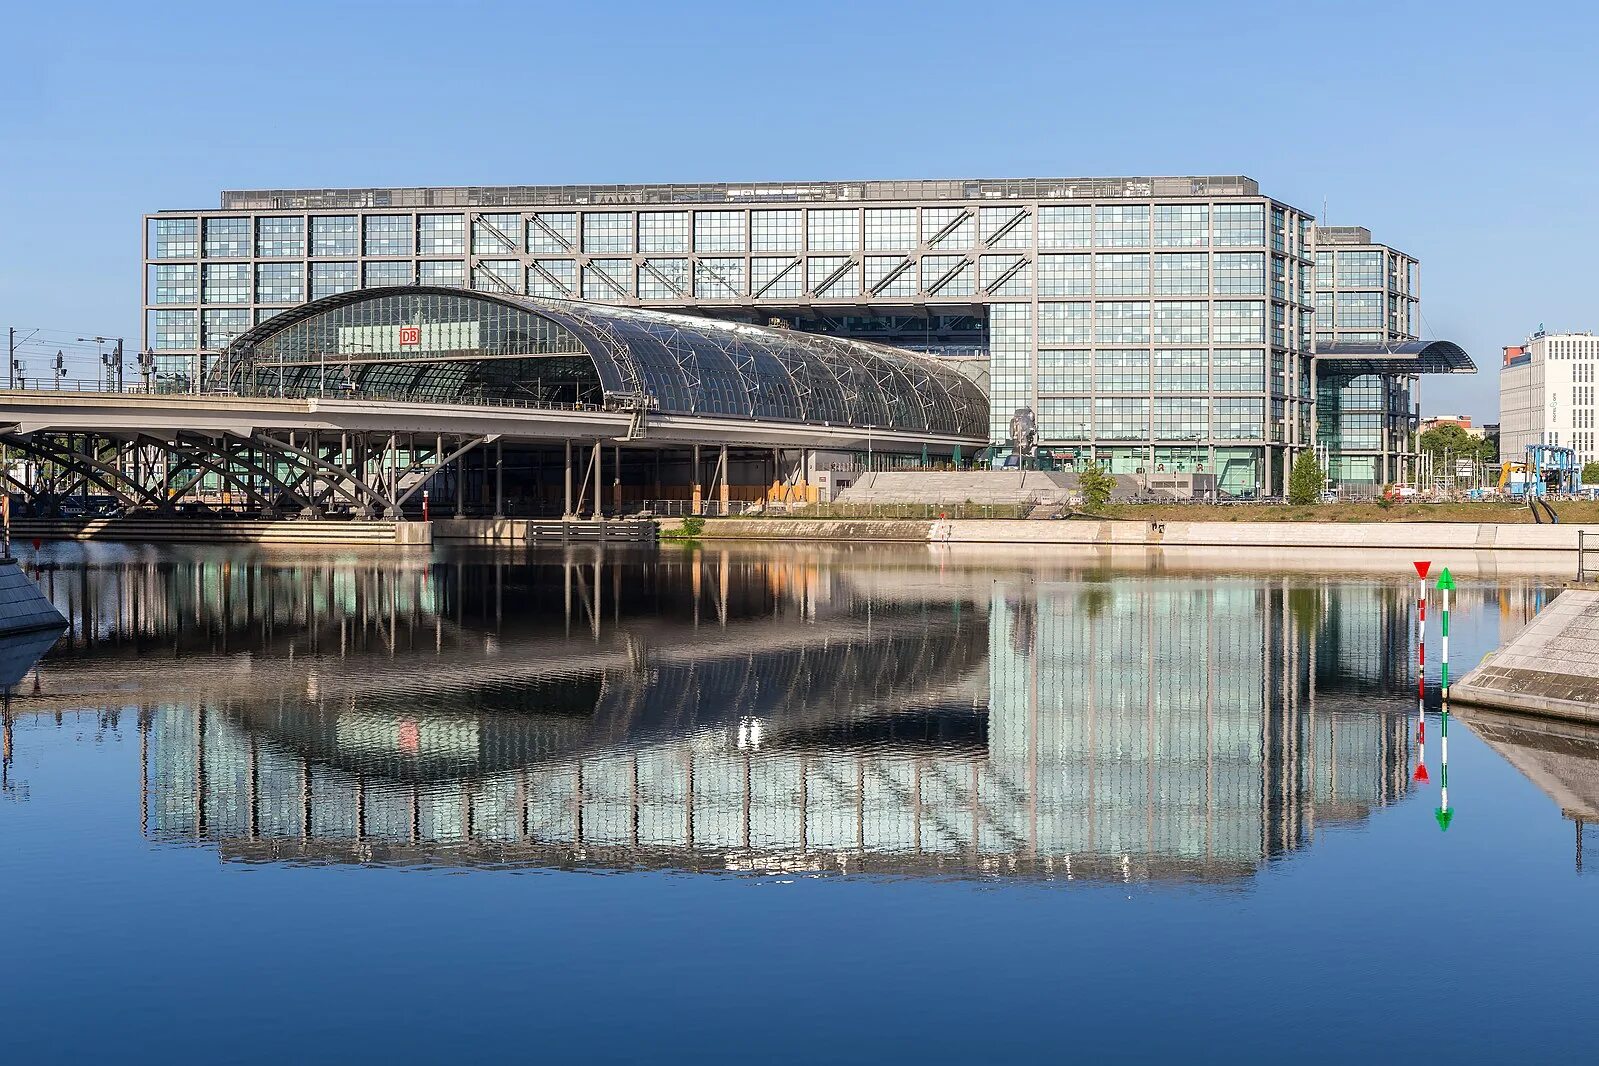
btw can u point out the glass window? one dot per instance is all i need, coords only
(497, 233)
(1121, 418)
(388, 235)
(552, 231)
(890, 275)
(719, 231)
(891, 227)
(173, 238)
(1122, 323)
(1240, 370)
(497, 275)
(948, 227)
(1121, 370)
(1324, 270)
(1182, 274)
(719, 279)
(1182, 418)
(606, 279)
(441, 234)
(1121, 275)
(279, 283)
(330, 279)
(1360, 270)
(776, 278)
(831, 275)
(1356, 310)
(1064, 275)
(389, 274)
(277, 236)
(1241, 273)
(1238, 224)
(1240, 321)
(663, 279)
(663, 231)
(1065, 418)
(775, 231)
(173, 329)
(1240, 419)
(948, 275)
(1007, 275)
(1121, 226)
(1065, 227)
(227, 238)
(831, 229)
(1065, 323)
(335, 235)
(1182, 225)
(219, 325)
(448, 272)
(174, 283)
(227, 283)
(1005, 227)
(552, 278)
(1065, 370)
(1182, 322)
(607, 231)
(1182, 370)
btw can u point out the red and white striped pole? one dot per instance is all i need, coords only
(1421, 670)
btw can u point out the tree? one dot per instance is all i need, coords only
(1448, 441)
(1305, 480)
(1590, 474)
(1096, 485)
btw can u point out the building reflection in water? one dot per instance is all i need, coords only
(716, 711)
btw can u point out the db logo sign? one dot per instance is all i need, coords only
(410, 336)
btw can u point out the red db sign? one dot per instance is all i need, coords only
(410, 336)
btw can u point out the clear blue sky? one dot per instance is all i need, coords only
(1464, 133)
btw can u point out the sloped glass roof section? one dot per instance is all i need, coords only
(445, 345)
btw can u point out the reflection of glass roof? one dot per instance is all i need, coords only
(674, 364)
(1408, 357)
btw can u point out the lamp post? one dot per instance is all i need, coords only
(869, 463)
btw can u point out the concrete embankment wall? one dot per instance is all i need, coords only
(206, 530)
(23, 608)
(1438, 536)
(1549, 668)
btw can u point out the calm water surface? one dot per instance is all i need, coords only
(796, 805)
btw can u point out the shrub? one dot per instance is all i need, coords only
(1305, 480)
(1096, 485)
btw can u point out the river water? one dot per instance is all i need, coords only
(779, 805)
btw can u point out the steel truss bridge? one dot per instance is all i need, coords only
(370, 455)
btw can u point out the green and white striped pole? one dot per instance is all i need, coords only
(1446, 585)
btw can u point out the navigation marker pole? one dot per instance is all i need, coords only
(1421, 671)
(1446, 584)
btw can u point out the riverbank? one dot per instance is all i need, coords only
(1458, 536)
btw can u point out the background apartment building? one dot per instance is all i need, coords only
(1546, 394)
(1150, 323)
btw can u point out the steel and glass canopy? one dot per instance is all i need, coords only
(449, 345)
(1408, 357)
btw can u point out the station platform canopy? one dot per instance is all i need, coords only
(1407, 357)
(448, 345)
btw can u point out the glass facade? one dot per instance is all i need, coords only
(1066, 287)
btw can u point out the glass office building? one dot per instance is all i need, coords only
(1150, 323)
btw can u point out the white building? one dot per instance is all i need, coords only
(1546, 395)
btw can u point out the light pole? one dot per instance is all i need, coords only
(869, 465)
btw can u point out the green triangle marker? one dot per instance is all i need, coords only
(1444, 818)
(1446, 580)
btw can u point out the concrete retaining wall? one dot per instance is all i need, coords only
(1551, 667)
(23, 608)
(1459, 536)
(224, 531)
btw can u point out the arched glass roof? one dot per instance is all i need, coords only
(1400, 357)
(455, 345)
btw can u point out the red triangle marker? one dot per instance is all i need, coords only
(1421, 772)
(1422, 568)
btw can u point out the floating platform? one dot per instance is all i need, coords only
(24, 609)
(1549, 668)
